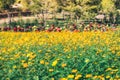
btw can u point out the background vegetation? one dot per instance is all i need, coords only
(77, 8)
(73, 11)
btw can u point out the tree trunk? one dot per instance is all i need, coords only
(63, 15)
(43, 16)
(9, 19)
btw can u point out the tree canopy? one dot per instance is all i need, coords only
(76, 7)
(6, 5)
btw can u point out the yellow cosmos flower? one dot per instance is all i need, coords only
(14, 66)
(115, 70)
(87, 60)
(17, 55)
(78, 76)
(7, 79)
(63, 79)
(101, 77)
(40, 51)
(107, 77)
(10, 71)
(118, 53)
(27, 51)
(74, 70)
(51, 70)
(52, 79)
(95, 77)
(117, 77)
(88, 75)
(32, 56)
(70, 76)
(54, 63)
(108, 69)
(46, 63)
(42, 62)
(22, 61)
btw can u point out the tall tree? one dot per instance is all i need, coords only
(108, 6)
(5, 5)
(80, 7)
(117, 3)
(23, 5)
(117, 14)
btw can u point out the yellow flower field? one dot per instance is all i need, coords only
(60, 55)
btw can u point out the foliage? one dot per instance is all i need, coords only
(117, 4)
(6, 4)
(77, 9)
(35, 6)
(108, 6)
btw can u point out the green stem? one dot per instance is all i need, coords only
(84, 66)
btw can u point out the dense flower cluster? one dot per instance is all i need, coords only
(60, 55)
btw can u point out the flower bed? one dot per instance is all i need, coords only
(60, 55)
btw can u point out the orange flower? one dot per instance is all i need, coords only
(74, 70)
(63, 65)
(25, 65)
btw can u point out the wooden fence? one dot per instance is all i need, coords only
(14, 14)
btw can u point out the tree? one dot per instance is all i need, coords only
(90, 8)
(5, 6)
(23, 5)
(108, 6)
(70, 6)
(43, 7)
(81, 8)
(117, 3)
(35, 6)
